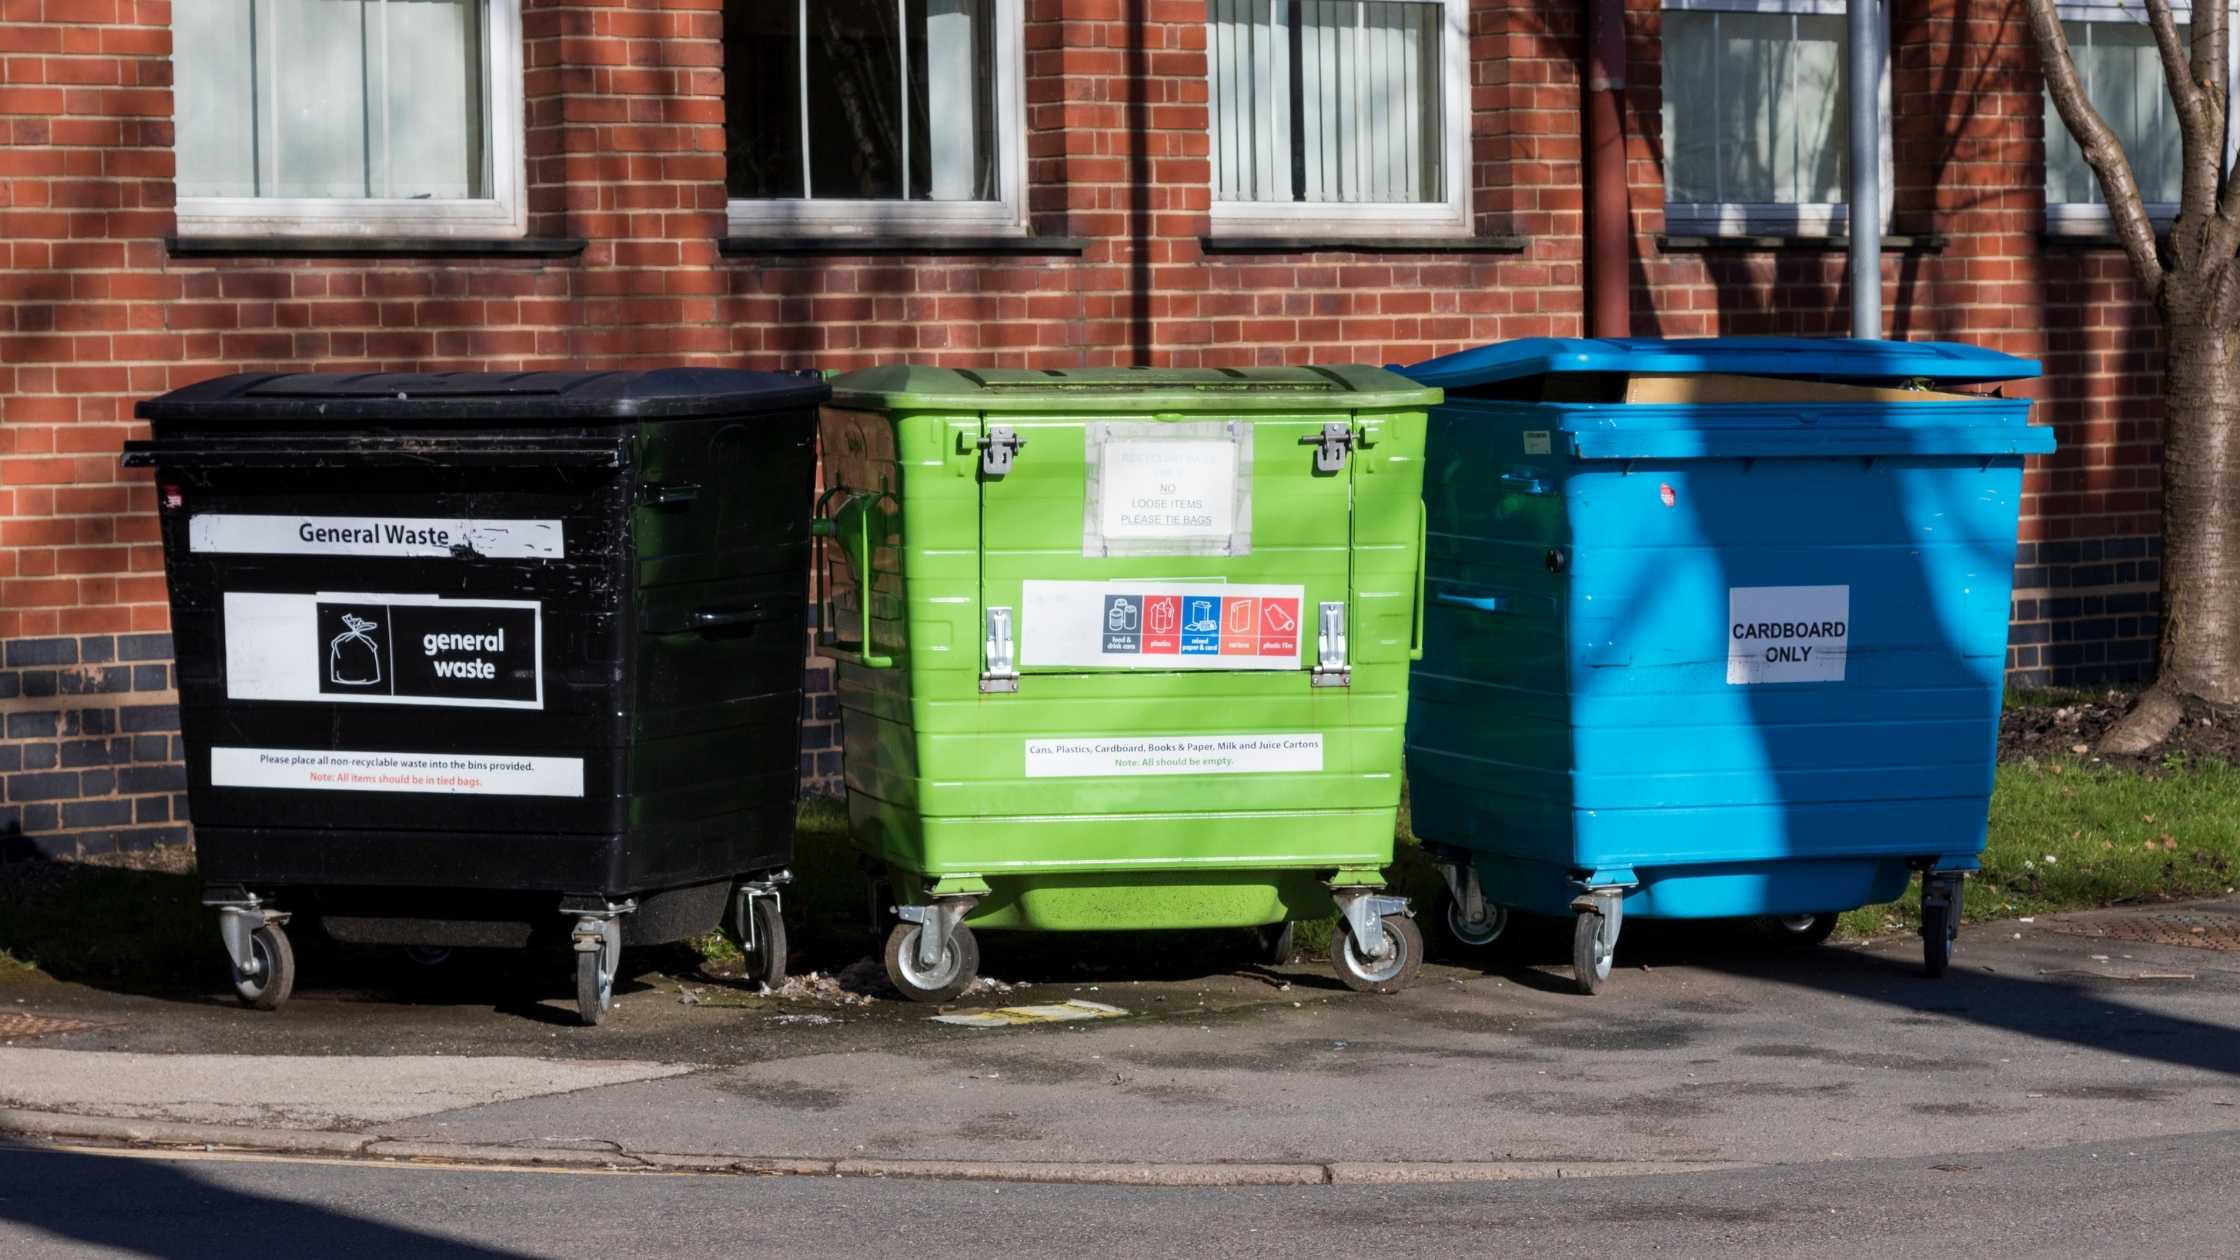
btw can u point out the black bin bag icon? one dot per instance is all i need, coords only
(354, 656)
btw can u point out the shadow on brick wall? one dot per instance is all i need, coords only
(90, 757)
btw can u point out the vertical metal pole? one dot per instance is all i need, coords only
(902, 42)
(1864, 18)
(808, 188)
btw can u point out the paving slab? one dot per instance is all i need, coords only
(289, 1091)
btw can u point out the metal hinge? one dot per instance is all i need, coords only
(1330, 669)
(1001, 669)
(1331, 447)
(998, 449)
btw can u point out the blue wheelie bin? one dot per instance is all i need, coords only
(1715, 628)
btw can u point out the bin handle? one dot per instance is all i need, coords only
(1525, 480)
(1423, 536)
(670, 494)
(734, 615)
(1481, 603)
(822, 531)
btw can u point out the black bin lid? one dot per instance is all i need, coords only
(437, 398)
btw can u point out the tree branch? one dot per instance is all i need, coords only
(2212, 65)
(2201, 138)
(2126, 207)
(2177, 63)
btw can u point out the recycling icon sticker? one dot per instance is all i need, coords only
(1142, 625)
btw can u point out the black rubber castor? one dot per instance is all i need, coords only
(594, 984)
(766, 958)
(275, 980)
(1473, 936)
(1800, 930)
(1362, 972)
(1936, 940)
(1590, 954)
(960, 963)
(1276, 943)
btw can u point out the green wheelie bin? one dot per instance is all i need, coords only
(1125, 649)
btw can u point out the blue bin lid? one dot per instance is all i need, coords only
(1796, 358)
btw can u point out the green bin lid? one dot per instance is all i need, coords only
(1351, 387)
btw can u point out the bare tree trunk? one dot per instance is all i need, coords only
(2200, 643)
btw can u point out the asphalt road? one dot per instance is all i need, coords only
(2166, 1196)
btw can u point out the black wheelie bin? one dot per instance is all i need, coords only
(489, 659)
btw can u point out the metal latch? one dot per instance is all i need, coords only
(1330, 668)
(1001, 672)
(998, 449)
(1330, 449)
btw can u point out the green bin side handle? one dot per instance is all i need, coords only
(858, 544)
(1423, 538)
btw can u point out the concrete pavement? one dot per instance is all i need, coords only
(1700, 1054)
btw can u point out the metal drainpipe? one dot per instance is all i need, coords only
(1609, 204)
(1865, 40)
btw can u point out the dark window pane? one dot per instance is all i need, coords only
(855, 99)
(762, 97)
(899, 97)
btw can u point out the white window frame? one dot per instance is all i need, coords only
(2091, 218)
(835, 217)
(504, 214)
(1804, 220)
(1400, 220)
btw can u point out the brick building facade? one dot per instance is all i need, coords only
(627, 249)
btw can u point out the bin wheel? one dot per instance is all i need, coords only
(275, 980)
(1365, 974)
(1801, 930)
(1590, 952)
(1937, 930)
(960, 963)
(595, 970)
(1474, 935)
(1276, 943)
(766, 959)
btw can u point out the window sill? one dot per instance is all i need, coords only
(2108, 240)
(1362, 245)
(991, 246)
(372, 247)
(1891, 242)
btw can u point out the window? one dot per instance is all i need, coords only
(1757, 117)
(348, 117)
(848, 116)
(2122, 73)
(1345, 116)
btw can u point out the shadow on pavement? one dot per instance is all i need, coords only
(162, 1208)
(1534, 955)
(2071, 1012)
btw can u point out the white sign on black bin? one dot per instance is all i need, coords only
(385, 649)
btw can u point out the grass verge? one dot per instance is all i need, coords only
(2068, 834)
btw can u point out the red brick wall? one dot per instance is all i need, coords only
(625, 150)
